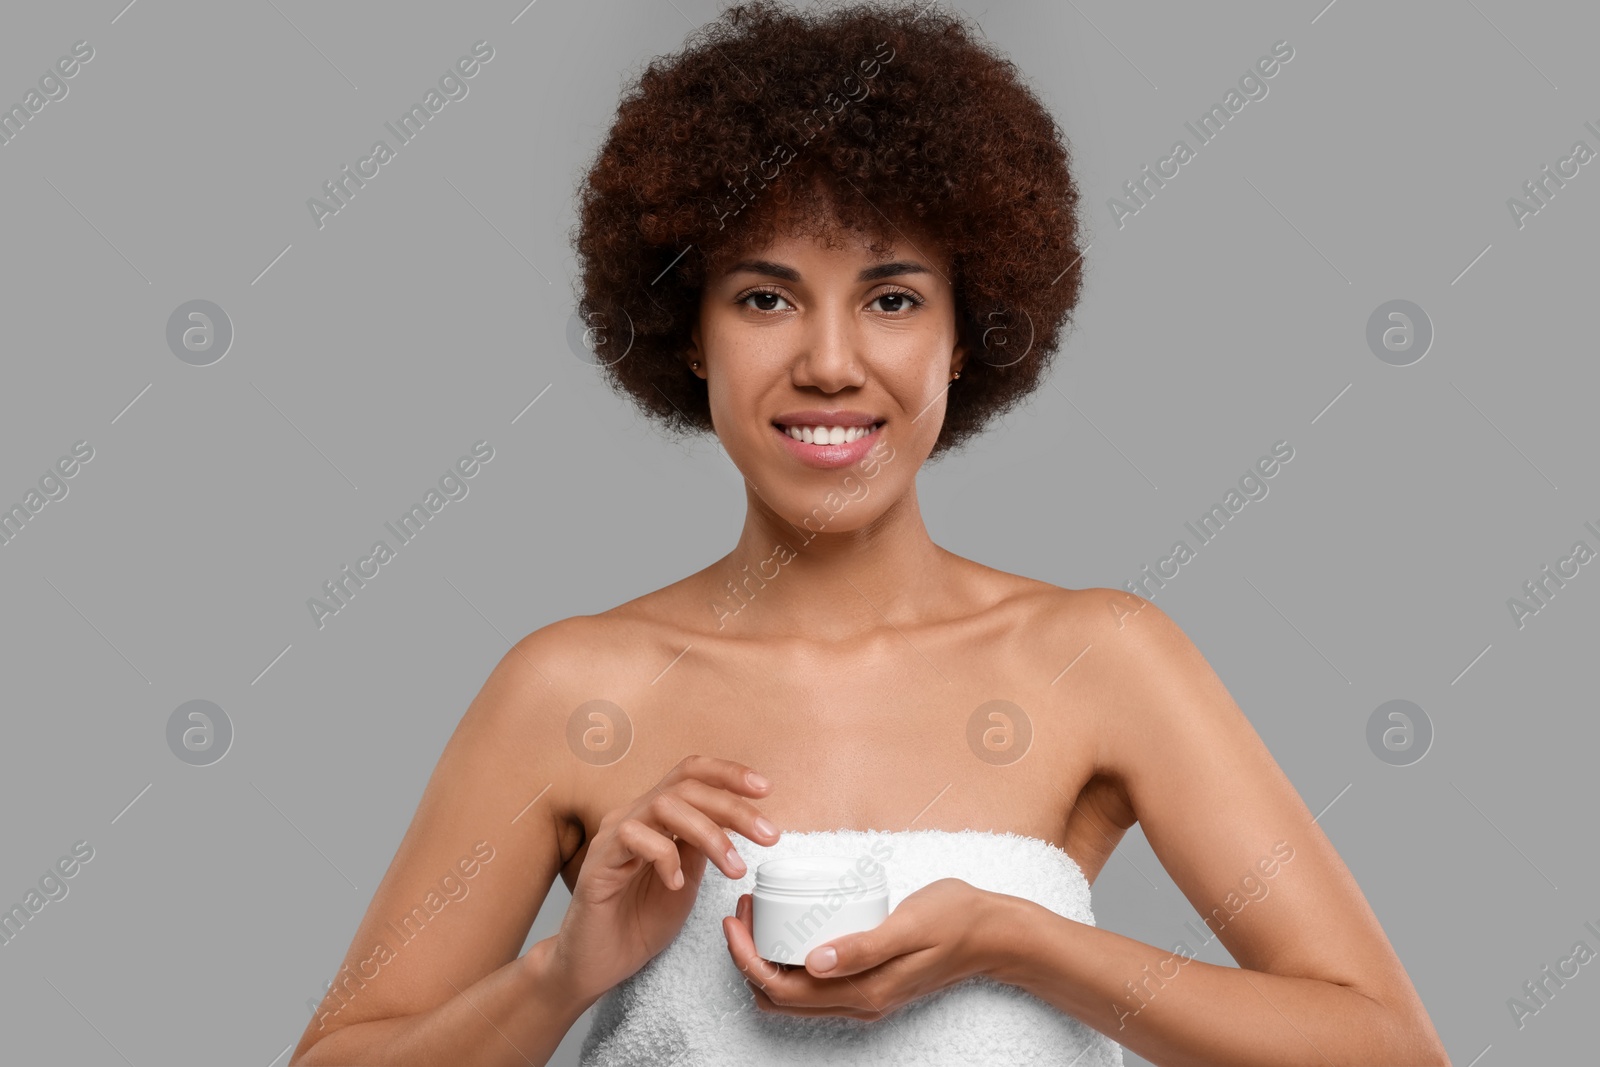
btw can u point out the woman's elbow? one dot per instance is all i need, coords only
(1415, 1041)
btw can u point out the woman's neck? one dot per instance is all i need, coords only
(828, 577)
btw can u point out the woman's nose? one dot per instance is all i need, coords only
(829, 357)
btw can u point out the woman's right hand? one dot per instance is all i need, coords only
(637, 883)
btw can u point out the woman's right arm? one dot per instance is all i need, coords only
(434, 974)
(517, 1015)
(455, 990)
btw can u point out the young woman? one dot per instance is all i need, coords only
(843, 242)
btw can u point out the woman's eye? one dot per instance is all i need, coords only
(761, 296)
(905, 300)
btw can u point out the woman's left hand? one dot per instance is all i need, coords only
(933, 938)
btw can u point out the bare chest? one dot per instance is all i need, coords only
(912, 734)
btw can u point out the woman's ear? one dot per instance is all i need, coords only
(958, 359)
(969, 333)
(692, 355)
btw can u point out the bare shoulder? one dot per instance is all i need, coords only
(543, 680)
(1119, 627)
(1130, 665)
(560, 654)
(529, 697)
(570, 657)
(529, 686)
(1145, 669)
(1157, 670)
(1091, 612)
(1095, 609)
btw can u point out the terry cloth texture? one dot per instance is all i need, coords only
(689, 1006)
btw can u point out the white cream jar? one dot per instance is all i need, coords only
(800, 903)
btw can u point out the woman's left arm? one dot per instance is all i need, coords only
(1318, 982)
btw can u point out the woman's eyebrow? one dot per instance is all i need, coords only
(870, 274)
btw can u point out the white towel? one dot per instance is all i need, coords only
(690, 1006)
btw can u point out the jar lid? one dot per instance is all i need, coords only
(820, 875)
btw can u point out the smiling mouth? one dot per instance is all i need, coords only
(829, 435)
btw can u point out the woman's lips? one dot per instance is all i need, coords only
(829, 457)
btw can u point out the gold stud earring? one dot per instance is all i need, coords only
(957, 375)
(695, 364)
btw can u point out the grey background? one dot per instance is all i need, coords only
(1228, 314)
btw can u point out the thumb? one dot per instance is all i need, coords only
(852, 953)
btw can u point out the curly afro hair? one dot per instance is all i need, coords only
(858, 118)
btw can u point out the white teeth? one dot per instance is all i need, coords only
(828, 435)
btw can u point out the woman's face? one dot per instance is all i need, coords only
(799, 336)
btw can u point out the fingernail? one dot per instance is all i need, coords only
(756, 781)
(735, 861)
(824, 959)
(765, 828)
